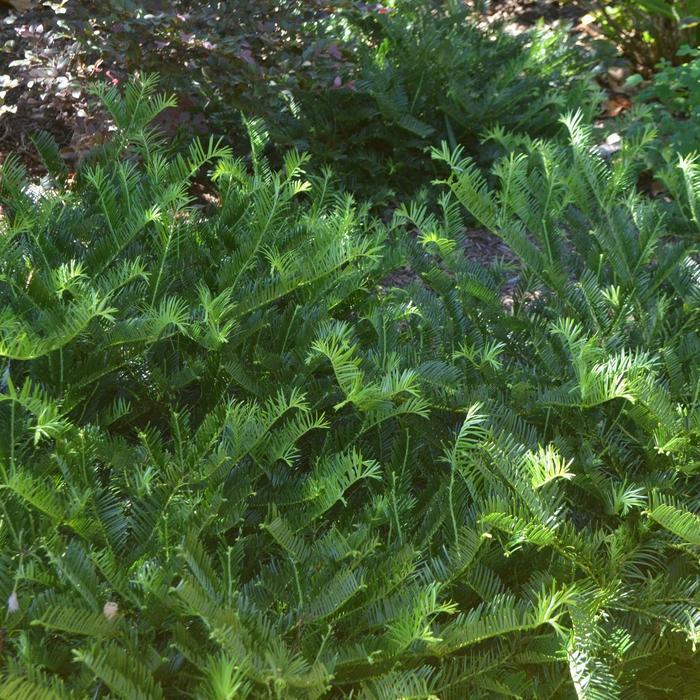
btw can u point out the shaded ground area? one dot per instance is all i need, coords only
(51, 54)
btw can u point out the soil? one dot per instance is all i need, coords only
(526, 13)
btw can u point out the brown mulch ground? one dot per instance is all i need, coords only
(47, 89)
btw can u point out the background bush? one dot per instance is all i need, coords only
(670, 103)
(647, 31)
(364, 88)
(425, 75)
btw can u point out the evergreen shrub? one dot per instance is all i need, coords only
(422, 73)
(234, 462)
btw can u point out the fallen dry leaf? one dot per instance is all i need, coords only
(616, 105)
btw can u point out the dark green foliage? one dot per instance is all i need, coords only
(366, 90)
(671, 104)
(426, 74)
(234, 464)
(647, 31)
(246, 55)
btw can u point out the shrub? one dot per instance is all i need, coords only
(235, 464)
(647, 31)
(670, 103)
(426, 74)
(365, 92)
(239, 56)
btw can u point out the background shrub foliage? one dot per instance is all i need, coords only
(235, 462)
(670, 103)
(647, 31)
(425, 73)
(364, 88)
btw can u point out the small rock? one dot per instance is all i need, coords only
(110, 610)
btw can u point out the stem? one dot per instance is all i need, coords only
(451, 502)
(164, 257)
(300, 595)
(395, 509)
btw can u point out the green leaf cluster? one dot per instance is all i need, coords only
(236, 463)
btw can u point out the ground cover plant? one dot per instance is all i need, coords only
(219, 58)
(235, 462)
(422, 73)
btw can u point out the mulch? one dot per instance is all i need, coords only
(49, 77)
